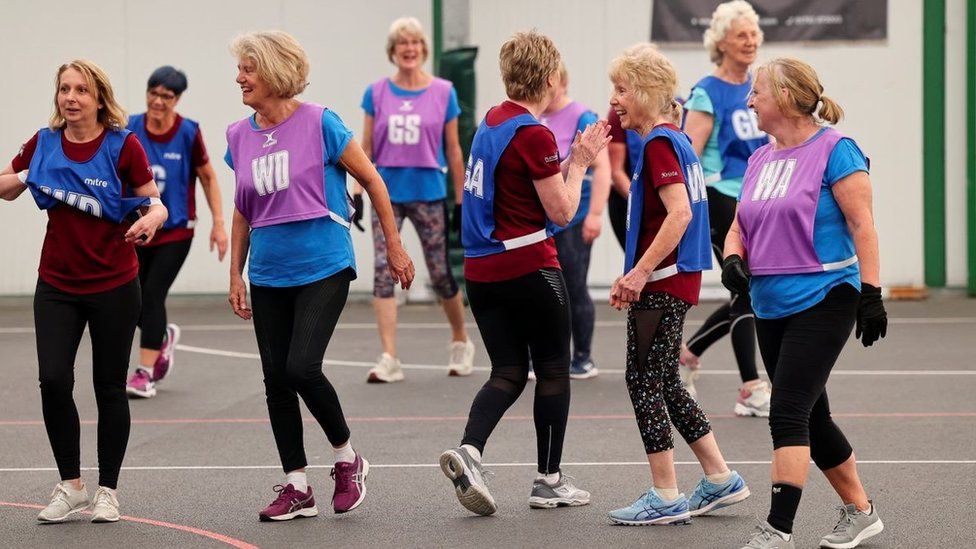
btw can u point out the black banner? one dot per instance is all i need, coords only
(683, 21)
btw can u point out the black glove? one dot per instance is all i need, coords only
(357, 213)
(872, 319)
(735, 274)
(456, 219)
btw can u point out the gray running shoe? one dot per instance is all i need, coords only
(105, 506)
(853, 527)
(469, 481)
(561, 494)
(64, 503)
(767, 537)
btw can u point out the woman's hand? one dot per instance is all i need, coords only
(144, 229)
(238, 297)
(400, 264)
(589, 143)
(218, 239)
(592, 225)
(627, 288)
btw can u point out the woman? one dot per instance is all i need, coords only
(805, 231)
(565, 117)
(514, 188)
(411, 120)
(93, 178)
(291, 225)
(723, 132)
(178, 157)
(667, 248)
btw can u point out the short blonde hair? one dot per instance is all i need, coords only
(652, 76)
(405, 26)
(110, 115)
(804, 92)
(527, 60)
(278, 58)
(722, 19)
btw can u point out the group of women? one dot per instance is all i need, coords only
(789, 219)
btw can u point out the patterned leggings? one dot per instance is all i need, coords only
(654, 326)
(429, 218)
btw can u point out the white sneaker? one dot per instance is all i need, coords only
(461, 361)
(387, 370)
(105, 506)
(753, 401)
(65, 502)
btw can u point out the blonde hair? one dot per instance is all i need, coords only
(110, 115)
(563, 74)
(405, 26)
(652, 76)
(722, 19)
(804, 92)
(527, 60)
(278, 58)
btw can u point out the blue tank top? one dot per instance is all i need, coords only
(695, 247)
(738, 132)
(171, 166)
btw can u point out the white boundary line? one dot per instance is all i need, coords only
(510, 464)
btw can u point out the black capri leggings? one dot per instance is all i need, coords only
(799, 352)
(59, 322)
(293, 326)
(518, 319)
(158, 267)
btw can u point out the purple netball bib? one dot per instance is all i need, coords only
(778, 206)
(408, 131)
(279, 170)
(564, 124)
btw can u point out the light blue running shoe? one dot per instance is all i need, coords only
(651, 509)
(710, 497)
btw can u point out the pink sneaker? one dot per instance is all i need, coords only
(164, 362)
(350, 484)
(289, 504)
(140, 384)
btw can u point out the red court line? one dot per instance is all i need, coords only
(180, 527)
(434, 419)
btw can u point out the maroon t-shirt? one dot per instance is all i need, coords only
(617, 134)
(83, 254)
(198, 157)
(661, 167)
(531, 155)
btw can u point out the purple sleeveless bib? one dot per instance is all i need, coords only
(778, 205)
(408, 131)
(279, 170)
(564, 124)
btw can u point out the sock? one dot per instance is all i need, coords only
(782, 507)
(550, 479)
(298, 480)
(345, 454)
(71, 489)
(719, 478)
(474, 452)
(148, 369)
(667, 494)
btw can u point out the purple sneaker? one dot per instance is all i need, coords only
(164, 362)
(350, 484)
(289, 504)
(140, 384)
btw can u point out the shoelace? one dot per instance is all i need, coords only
(844, 521)
(760, 536)
(60, 495)
(283, 494)
(101, 496)
(342, 481)
(486, 475)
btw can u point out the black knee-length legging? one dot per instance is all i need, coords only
(654, 325)
(293, 326)
(158, 267)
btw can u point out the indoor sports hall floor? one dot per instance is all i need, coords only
(201, 460)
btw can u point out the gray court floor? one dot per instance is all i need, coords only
(201, 461)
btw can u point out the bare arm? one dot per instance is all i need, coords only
(618, 168)
(853, 195)
(240, 242)
(600, 192)
(367, 146)
(10, 185)
(218, 236)
(455, 159)
(698, 126)
(733, 240)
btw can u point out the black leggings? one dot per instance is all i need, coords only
(799, 352)
(293, 326)
(735, 316)
(158, 267)
(59, 322)
(518, 319)
(574, 258)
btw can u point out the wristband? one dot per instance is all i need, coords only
(155, 201)
(22, 176)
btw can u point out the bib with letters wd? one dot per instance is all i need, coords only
(92, 186)
(478, 208)
(695, 247)
(279, 170)
(408, 132)
(778, 207)
(171, 166)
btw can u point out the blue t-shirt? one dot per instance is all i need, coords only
(777, 296)
(415, 184)
(711, 158)
(586, 190)
(302, 252)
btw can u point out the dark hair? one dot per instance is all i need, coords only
(168, 77)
